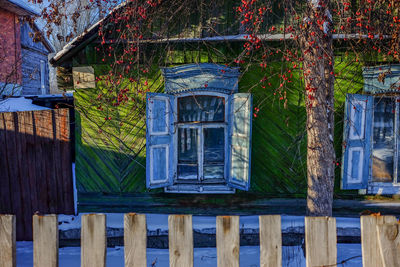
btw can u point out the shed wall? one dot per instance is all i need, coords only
(32, 55)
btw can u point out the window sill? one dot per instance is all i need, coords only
(383, 188)
(199, 189)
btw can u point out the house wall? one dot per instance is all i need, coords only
(110, 160)
(32, 54)
(10, 51)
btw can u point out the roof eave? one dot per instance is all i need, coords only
(18, 8)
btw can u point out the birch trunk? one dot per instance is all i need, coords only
(316, 45)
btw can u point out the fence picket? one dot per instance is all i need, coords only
(180, 235)
(93, 240)
(389, 243)
(380, 238)
(320, 236)
(45, 240)
(270, 241)
(228, 241)
(371, 256)
(7, 241)
(135, 240)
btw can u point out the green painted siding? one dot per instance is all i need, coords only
(110, 163)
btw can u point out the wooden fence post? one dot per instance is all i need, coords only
(228, 241)
(93, 240)
(45, 240)
(7, 241)
(371, 256)
(389, 243)
(270, 241)
(180, 236)
(135, 240)
(320, 236)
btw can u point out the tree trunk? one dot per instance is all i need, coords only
(318, 60)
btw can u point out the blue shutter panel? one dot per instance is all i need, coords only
(357, 141)
(240, 141)
(160, 166)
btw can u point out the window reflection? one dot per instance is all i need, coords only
(201, 109)
(214, 148)
(383, 140)
(187, 153)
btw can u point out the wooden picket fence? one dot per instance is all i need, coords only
(379, 236)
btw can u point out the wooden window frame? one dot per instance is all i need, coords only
(200, 146)
(375, 187)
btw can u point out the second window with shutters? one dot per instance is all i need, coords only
(371, 158)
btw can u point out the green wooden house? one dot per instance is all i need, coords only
(157, 153)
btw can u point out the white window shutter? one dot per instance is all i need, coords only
(357, 141)
(240, 141)
(160, 167)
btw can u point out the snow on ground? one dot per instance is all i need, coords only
(203, 257)
(18, 104)
(201, 223)
(249, 255)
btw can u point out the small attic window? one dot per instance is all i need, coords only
(202, 140)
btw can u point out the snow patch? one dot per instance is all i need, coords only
(18, 104)
(203, 224)
(292, 256)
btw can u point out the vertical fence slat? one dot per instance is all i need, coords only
(45, 241)
(135, 240)
(23, 172)
(7, 241)
(371, 256)
(389, 244)
(180, 236)
(93, 240)
(17, 207)
(41, 181)
(5, 197)
(320, 236)
(270, 241)
(30, 157)
(228, 241)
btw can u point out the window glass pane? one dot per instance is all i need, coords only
(213, 171)
(187, 172)
(214, 152)
(383, 140)
(201, 109)
(188, 140)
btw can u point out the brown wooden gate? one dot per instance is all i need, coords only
(35, 166)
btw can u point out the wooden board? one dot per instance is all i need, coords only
(389, 243)
(369, 242)
(7, 241)
(45, 241)
(320, 237)
(93, 240)
(36, 174)
(270, 241)
(135, 240)
(228, 241)
(180, 236)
